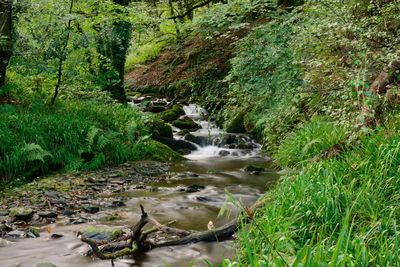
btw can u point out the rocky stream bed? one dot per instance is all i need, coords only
(40, 221)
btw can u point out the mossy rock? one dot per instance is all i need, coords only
(169, 115)
(183, 132)
(21, 213)
(186, 123)
(158, 128)
(162, 152)
(178, 108)
(236, 124)
(102, 233)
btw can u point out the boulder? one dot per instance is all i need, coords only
(186, 123)
(169, 115)
(159, 128)
(21, 213)
(199, 140)
(16, 234)
(156, 108)
(102, 233)
(178, 109)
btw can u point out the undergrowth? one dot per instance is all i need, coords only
(72, 136)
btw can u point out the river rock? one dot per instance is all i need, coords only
(68, 213)
(80, 220)
(16, 234)
(194, 188)
(45, 264)
(102, 233)
(204, 199)
(89, 208)
(186, 123)
(4, 228)
(224, 153)
(49, 214)
(199, 140)
(33, 232)
(21, 213)
(156, 108)
(253, 169)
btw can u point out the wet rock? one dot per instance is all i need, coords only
(33, 232)
(204, 199)
(102, 233)
(48, 214)
(224, 153)
(56, 236)
(21, 213)
(199, 140)
(253, 169)
(16, 234)
(80, 220)
(68, 213)
(89, 208)
(186, 123)
(177, 144)
(45, 264)
(194, 188)
(116, 203)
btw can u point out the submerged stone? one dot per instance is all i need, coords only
(102, 233)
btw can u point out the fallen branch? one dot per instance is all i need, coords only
(136, 241)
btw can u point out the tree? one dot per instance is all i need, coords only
(6, 41)
(113, 44)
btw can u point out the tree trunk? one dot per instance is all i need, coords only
(113, 46)
(6, 42)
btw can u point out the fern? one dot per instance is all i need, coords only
(32, 152)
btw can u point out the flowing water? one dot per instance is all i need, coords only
(216, 167)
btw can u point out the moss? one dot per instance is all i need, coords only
(236, 124)
(178, 109)
(186, 123)
(169, 115)
(158, 128)
(102, 233)
(163, 152)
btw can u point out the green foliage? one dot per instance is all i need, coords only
(333, 212)
(308, 141)
(72, 136)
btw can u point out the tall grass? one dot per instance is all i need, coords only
(71, 136)
(337, 212)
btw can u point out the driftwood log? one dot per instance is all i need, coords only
(137, 241)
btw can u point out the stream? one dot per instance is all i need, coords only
(210, 170)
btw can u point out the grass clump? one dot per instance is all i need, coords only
(311, 138)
